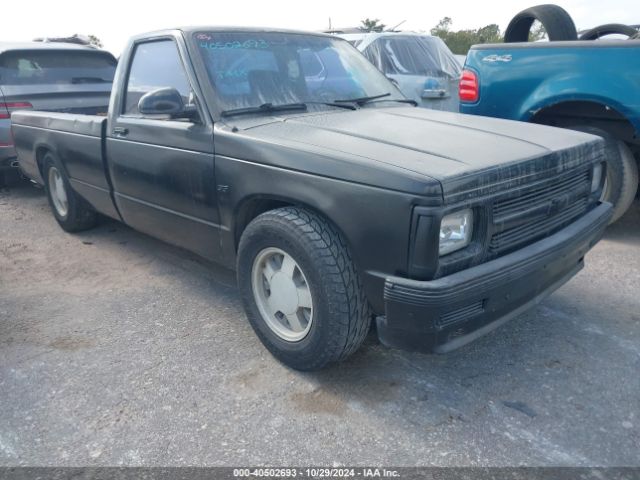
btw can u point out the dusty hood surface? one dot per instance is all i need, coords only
(444, 146)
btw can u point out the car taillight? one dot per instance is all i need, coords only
(469, 90)
(5, 108)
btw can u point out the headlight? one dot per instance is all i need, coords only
(596, 178)
(455, 231)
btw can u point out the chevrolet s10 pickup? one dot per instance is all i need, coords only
(334, 198)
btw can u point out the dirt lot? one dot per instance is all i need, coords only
(117, 349)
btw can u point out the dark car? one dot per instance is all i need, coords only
(49, 76)
(333, 210)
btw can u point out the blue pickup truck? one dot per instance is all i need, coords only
(591, 86)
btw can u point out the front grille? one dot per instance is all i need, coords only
(540, 194)
(538, 212)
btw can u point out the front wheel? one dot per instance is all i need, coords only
(622, 171)
(71, 211)
(300, 289)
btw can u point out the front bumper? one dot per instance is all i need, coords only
(444, 314)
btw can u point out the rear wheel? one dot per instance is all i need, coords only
(300, 289)
(71, 211)
(622, 171)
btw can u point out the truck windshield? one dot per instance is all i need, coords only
(254, 69)
(38, 67)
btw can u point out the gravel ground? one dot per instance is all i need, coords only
(116, 349)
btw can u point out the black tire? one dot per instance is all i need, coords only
(609, 29)
(341, 313)
(79, 215)
(556, 21)
(622, 171)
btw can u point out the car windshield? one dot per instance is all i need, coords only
(413, 55)
(254, 69)
(38, 67)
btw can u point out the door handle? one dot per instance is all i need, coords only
(435, 93)
(120, 131)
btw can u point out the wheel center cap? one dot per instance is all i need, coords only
(284, 293)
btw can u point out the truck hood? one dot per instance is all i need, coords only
(461, 152)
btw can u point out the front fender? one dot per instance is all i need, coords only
(375, 222)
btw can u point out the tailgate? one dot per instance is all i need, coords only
(88, 99)
(57, 79)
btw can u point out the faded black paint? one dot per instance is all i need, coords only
(365, 170)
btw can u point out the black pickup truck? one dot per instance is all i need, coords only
(335, 199)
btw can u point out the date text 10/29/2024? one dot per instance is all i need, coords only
(316, 472)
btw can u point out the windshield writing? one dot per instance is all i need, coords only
(248, 70)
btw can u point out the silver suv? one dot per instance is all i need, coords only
(49, 76)
(421, 65)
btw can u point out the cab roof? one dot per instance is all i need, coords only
(230, 29)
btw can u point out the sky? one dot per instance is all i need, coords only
(113, 21)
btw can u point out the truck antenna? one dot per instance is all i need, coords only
(393, 29)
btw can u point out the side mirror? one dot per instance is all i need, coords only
(166, 101)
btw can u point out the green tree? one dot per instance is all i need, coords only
(460, 41)
(489, 34)
(95, 41)
(369, 25)
(442, 28)
(537, 32)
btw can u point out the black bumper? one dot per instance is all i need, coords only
(444, 314)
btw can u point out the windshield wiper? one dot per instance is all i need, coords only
(264, 108)
(269, 107)
(89, 80)
(333, 104)
(399, 100)
(378, 98)
(362, 100)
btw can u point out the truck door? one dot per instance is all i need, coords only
(162, 169)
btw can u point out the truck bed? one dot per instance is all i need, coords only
(519, 80)
(79, 140)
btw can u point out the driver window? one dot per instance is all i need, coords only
(155, 65)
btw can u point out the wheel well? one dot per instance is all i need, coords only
(251, 209)
(588, 113)
(254, 207)
(40, 153)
